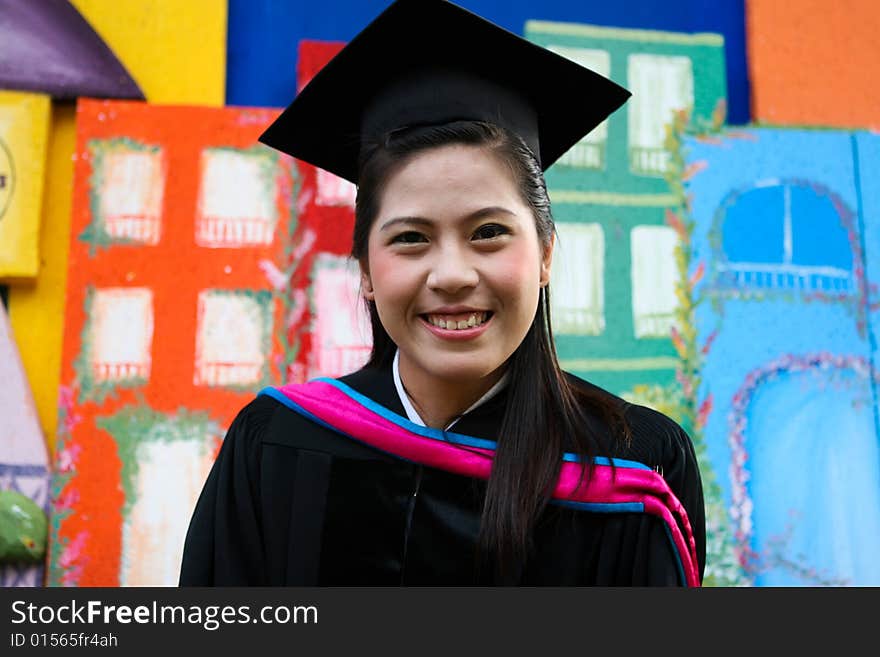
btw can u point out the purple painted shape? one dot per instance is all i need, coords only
(24, 460)
(48, 47)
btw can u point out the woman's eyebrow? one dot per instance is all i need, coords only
(418, 221)
(487, 212)
(422, 221)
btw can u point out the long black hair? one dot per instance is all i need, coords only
(546, 413)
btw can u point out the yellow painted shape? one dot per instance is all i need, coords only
(175, 50)
(24, 131)
(36, 312)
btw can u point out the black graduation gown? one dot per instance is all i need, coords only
(291, 503)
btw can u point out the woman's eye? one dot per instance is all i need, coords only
(489, 231)
(409, 237)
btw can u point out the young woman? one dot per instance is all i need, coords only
(461, 453)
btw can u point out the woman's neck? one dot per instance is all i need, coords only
(439, 401)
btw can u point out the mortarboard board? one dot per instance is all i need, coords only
(423, 62)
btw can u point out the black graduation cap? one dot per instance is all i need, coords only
(423, 62)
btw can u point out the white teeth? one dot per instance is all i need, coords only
(452, 324)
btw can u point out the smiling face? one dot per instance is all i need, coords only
(454, 266)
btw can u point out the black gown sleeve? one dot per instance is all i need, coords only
(686, 483)
(673, 451)
(224, 545)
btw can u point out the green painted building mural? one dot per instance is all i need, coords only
(623, 274)
(614, 284)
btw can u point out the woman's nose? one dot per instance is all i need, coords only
(451, 271)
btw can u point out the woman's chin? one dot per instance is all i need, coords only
(460, 369)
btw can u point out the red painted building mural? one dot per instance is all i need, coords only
(170, 324)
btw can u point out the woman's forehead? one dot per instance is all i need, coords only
(442, 172)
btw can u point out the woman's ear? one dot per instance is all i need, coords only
(547, 259)
(366, 283)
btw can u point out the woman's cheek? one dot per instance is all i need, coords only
(383, 263)
(380, 268)
(397, 282)
(514, 268)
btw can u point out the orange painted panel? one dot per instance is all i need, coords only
(814, 63)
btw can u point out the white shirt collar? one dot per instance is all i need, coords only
(414, 416)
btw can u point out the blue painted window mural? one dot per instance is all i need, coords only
(784, 222)
(787, 235)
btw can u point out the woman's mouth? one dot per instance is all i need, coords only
(458, 321)
(458, 326)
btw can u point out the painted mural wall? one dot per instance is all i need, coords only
(170, 324)
(92, 48)
(716, 269)
(781, 224)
